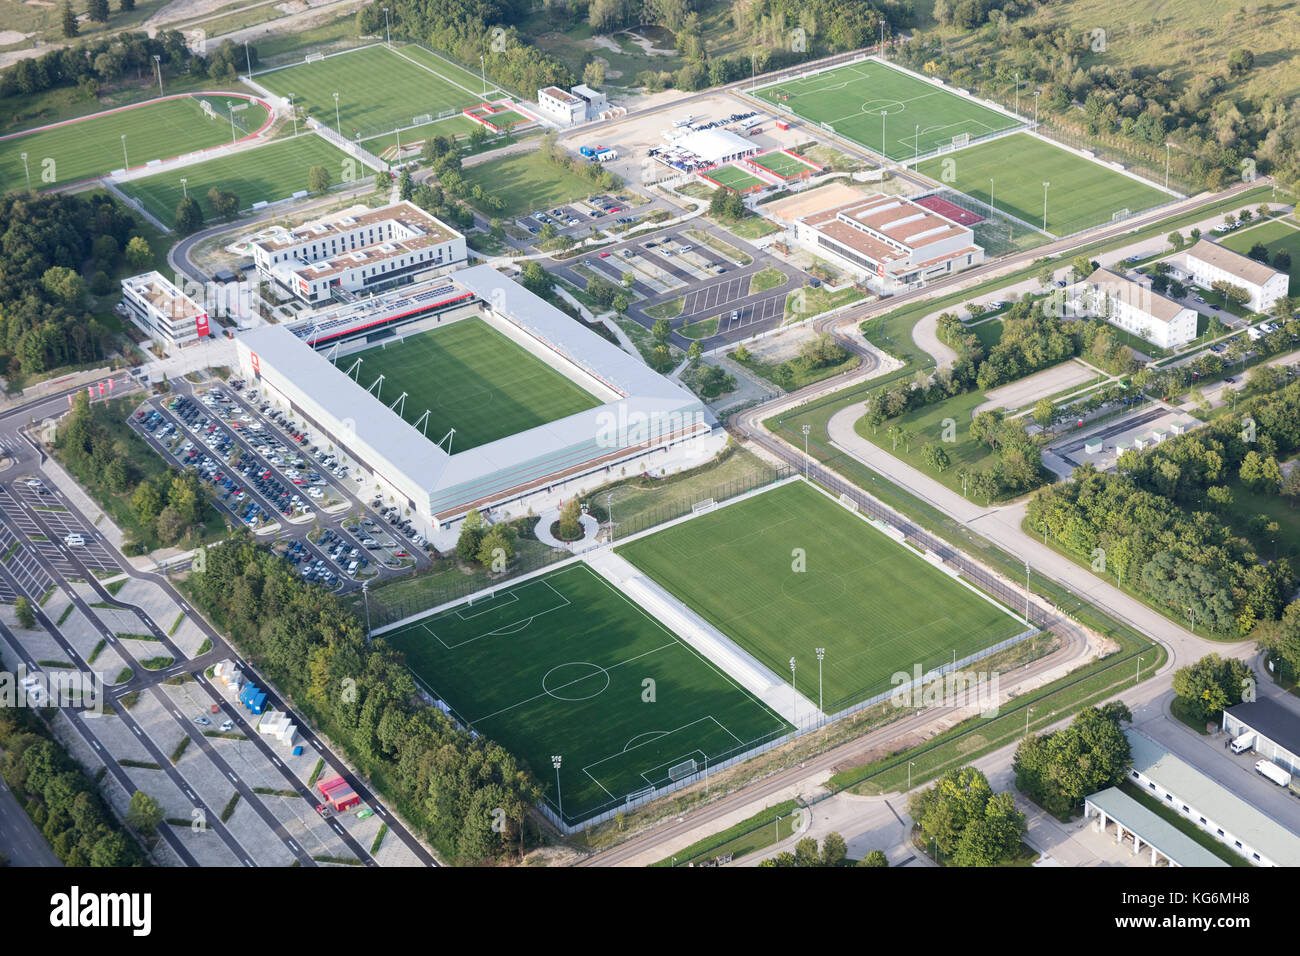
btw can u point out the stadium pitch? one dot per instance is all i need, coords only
(918, 116)
(1082, 193)
(95, 145)
(471, 378)
(566, 665)
(874, 604)
(379, 88)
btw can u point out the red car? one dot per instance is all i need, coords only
(604, 255)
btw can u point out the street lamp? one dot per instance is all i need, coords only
(157, 62)
(338, 127)
(794, 696)
(559, 797)
(909, 774)
(1027, 592)
(1137, 674)
(248, 58)
(27, 173)
(365, 594)
(821, 654)
(1017, 94)
(387, 32)
(1036, 95)
(991, 206)
(609, 507)
(126, 163)
(1045, 185)
(1166, 166)
(185, 193)
(293, 111)
(883, 114)
(806, 429)
(1028, 711)
(916, 145)
(482, 72)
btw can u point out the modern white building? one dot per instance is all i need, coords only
(1210, 806)
(571, 107)
(357, 250)
(888, 241)
(1275, 727)
(1208, 263)
(163, 312)
(642, 413)
(1133, 307)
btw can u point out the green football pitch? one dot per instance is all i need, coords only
(919, 116)
(471, 378)
(91, 147)
(735, 178)
(875, 605)
(565, 664)
(782, 164)
(1081, 193)
(260, 174)
(380, 89)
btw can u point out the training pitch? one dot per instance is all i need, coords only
(471, 378)
(919, 116)
(1082, 193)
(380, 89)
(94, 145)
(735, 178)
(782, 164)
(566, 665)
(875, 605)
(260, 174)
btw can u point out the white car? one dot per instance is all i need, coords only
(315, 493)
(74, 540)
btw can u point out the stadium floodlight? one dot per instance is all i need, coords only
(126, 163)
(157, 62)
(365, 594)
(916, 145)
(27, 173)
(482, 73)
(794, 695)
(185, 193)
(559, 797)
(387, 30)
(1017, 94)
(821, 655)
(1045, 185)
(338, 127)
(883, 114)
(909, 774)
(1037, 93)
(609, 507)
(248, 58)
(806, 430)
(992, 207)
(293, 111)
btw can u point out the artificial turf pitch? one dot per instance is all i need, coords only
(93, 146)
(850, 99)
(380, 89)
(258, 174)
(875, 605)
(565, 664)
(781, 164)
(1081, 193)
(735, 178)
(471, 378)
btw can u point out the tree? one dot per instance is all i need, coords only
(97, 10)
(806, 853)
(144, 813)
(318, 179)
(138, 253)
(126, 6)
(694, 352)
(146, 502)
(497, 546)
(64, 285)
(1259, 252)
(26, 616)
(1057, 770)
(935, 457)
(1282, 261)
(1044, 412)
(1291, 487)
(992, 836)
(875, 858)
(224, 204)
(1211, 684)
(944, 810)
(1240, 62)
(171, 525)
(70, 28)
(1260, 473)
(1175, 240)
(570, 523)
(471, 537)
(662, 330)
(537, 280)
(189, 217)
(834, 849)
(593, 74)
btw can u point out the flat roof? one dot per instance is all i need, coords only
(561, 95)
(1273, 720)
(810, 201)
(714, 145)
(1215, 801)
(406, 213)
(1243, 267)
(1160, 833)
(1164, 309)
(897, 219)
(163, 296)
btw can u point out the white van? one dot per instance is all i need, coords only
(74, 540)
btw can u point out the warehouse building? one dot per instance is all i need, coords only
(1134, 307)
(163, 312)
(357, 250)
(1276, 730)
(643, 413)
(1144, 829)
(1208, 263)
(1210, 806)
(571, 107)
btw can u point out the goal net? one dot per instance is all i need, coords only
(961, 139)
(683, 769)
(207, 108)
(481, 598)
(1119, 214)
(848, 502)
(708, 504)
(422, 119)
(313, 57)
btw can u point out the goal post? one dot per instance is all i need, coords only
(961, 139)
(708, 504)
(682, 770)
(313, 57)
(1120, 214)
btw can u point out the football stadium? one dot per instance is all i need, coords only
(468, 392)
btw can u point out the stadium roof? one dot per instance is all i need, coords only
(1213, 800)
(1243, 267)
(1164, 836)
(1273, 720)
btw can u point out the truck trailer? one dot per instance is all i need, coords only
(1266, 768)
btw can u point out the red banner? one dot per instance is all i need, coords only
(202, 323)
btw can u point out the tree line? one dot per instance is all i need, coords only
(448, 782)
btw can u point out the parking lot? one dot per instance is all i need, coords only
(600, 211)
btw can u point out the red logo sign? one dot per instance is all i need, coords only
(257, 367)
(202, 323)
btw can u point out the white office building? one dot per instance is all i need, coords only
(163, 312)
(1208, 263)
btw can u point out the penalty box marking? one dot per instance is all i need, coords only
(591, 767)
(559, 602)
